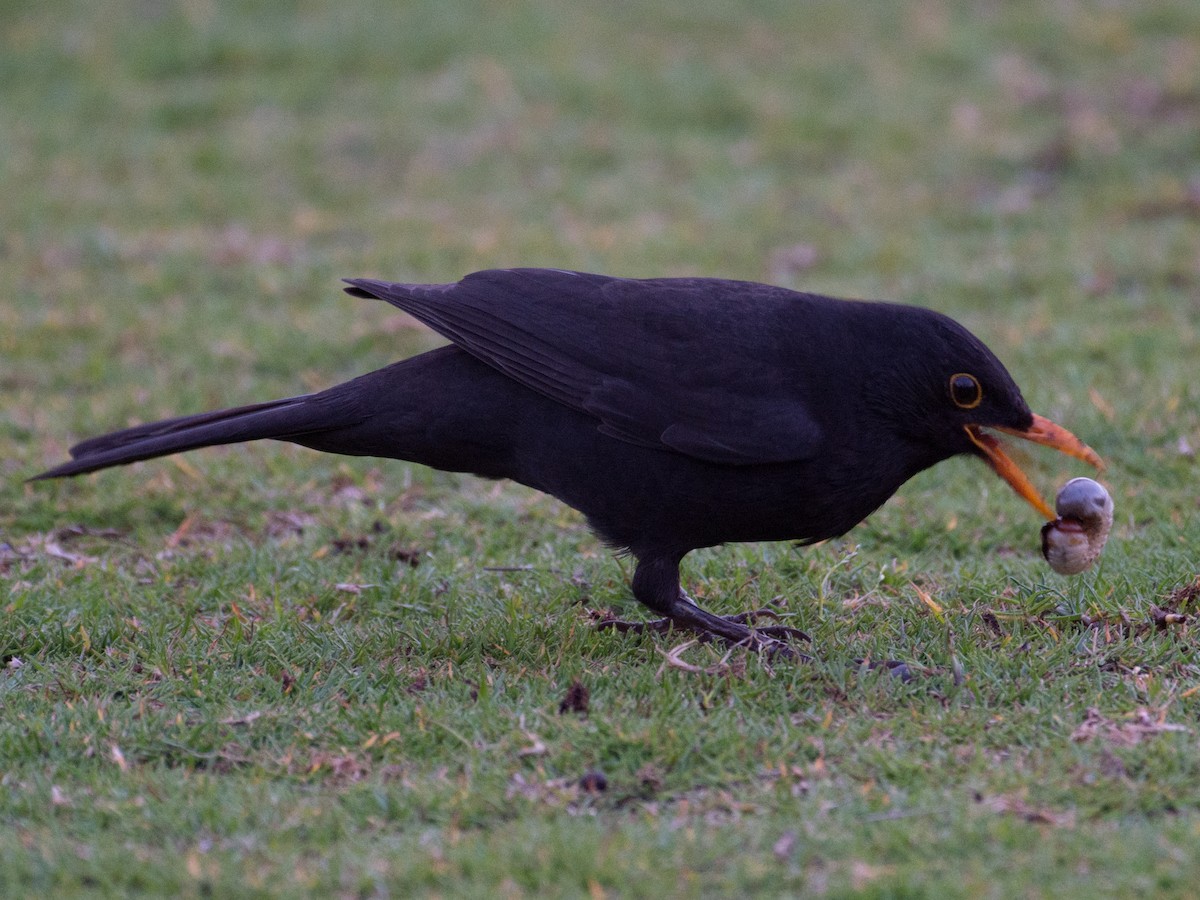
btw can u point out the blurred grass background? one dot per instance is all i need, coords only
(227, 668)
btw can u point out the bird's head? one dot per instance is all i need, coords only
(956, 393)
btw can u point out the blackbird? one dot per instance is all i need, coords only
(674, 413)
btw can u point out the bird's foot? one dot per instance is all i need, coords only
(741, 629)
(747, 619)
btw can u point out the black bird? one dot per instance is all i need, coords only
(674, 413)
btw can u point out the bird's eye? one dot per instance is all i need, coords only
(965, 391)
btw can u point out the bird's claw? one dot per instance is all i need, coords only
(769, 638)
(783, 632)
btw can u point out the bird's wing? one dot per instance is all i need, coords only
(691, 365)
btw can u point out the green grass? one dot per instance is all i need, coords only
(261, 671)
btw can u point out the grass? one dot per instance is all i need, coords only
(261, 671)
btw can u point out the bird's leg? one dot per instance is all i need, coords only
(656, 584)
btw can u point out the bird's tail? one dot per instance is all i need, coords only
(289, 419)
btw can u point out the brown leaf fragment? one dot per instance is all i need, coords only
(419, 682)
(575, 700)
(593, 782)
(411, 556)
(990, 620)
(1011, 805)
(344, 768)
(351, 544)
(181, 532)
(1183, 596)
(1142, 723)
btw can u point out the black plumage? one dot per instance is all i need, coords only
(673, 413)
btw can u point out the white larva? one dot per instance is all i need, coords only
(1075, 540)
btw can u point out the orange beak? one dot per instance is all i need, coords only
(1042, 431)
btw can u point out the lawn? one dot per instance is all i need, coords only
(261, 671)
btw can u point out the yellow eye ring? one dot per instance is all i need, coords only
(965, 390)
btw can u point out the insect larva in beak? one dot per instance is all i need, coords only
(1075, 540)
